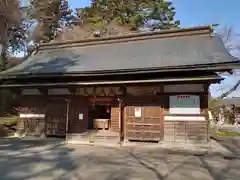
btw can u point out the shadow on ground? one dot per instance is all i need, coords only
(56, 160)
(27, 160)
(230, 143)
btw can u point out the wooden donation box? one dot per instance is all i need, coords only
(101, 124)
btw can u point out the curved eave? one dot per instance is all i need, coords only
(221, 67)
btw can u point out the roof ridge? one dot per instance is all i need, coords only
(208, 29)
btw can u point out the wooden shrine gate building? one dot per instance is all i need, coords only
(141, 87)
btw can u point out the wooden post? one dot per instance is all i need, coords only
(67, 116)
(120, 120)
(46, 118)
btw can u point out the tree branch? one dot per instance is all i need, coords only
(230, 90)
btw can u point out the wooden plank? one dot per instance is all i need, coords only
(115, 115)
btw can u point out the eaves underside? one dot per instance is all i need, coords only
(214, 78)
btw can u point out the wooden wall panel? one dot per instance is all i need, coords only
(143, 90)
(148, 127)
(56, 119)
(180, 131)
(31, 125)
(115, 115)
(180, 88)
(169, 131)
(186, 131)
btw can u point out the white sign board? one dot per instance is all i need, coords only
(138, 112)
(80, 116)
(32, 115)
(184, 104)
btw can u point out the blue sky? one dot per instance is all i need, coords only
(197, 12)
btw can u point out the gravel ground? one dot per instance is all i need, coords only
(42, 160)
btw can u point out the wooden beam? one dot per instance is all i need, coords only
(16, 91)
(72, 90)
(43, 91)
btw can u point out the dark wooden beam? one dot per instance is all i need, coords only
(43, 91)
(16, 91)
(72, 90)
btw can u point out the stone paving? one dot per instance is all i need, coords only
(41, 160)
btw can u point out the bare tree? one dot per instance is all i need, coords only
(229, 38)
(224, 112)
(10, 15)
(10, 21)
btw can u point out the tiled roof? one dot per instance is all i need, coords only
(156, 50)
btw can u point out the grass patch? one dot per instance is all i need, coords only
(227, 134)
(8, 120)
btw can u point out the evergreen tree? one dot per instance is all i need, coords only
(155, 14)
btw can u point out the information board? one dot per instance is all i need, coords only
(184, 104)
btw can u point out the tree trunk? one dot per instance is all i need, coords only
(3, 58)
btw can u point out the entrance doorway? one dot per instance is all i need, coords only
(99, 117)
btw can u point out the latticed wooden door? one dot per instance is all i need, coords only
(56, 119)
(143, 123)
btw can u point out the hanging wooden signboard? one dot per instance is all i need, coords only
(100, 91)
(100, 99)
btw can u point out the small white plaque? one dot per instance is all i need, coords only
(138, 112)
(80, 116)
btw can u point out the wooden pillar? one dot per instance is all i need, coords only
(121, 123)
(67, 115)
(206, 99)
